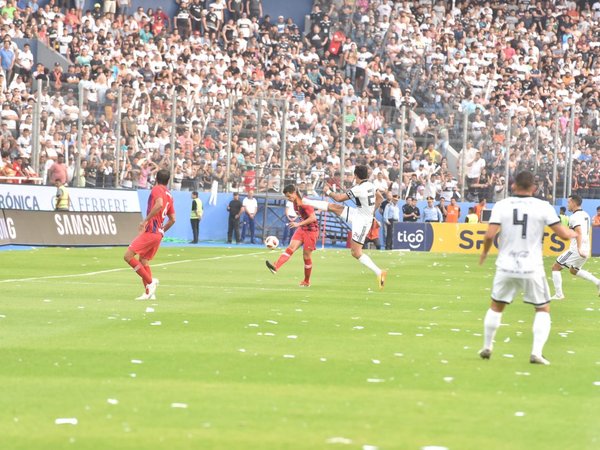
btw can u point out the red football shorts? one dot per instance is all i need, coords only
(308, 238)
(146, 245)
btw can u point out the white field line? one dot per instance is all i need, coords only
(87, 274)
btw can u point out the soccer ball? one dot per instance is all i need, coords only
(271, 242)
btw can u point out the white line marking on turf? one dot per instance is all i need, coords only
(100, 272)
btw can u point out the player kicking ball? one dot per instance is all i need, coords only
(152, 230)
(520, 220)
(367, 200)
(579, 249)
(306, 234)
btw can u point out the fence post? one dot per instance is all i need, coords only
(77, 155)
(507, 154)
(464, 154)
(555, 163)
(36, 129)
(571, 148)
(229, 131)
(402, 136)
(173, 134)
(118, 138)
(283, 142)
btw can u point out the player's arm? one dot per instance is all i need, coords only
(336, 196)
(156, 209)
(566, 233)
(488, 240)
(170, 222)
(378, 199)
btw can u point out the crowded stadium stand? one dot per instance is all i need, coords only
(448, 99)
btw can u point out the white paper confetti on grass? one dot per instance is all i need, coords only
(508, 355)
(519, 414)
(66, 421)
(323, 359)
(338, 440)
(596, 383)
(112, 401)
(271, 321)
(157, 323)
(369, 447)
(136, 361)
(394, 333)
(149, 309)
(289, 356)
(375, 361)
(358, 327)
(434, 447)
(292, 336)
(242, 350)
(525, 374)
(133, 375)
(179, 405)
(253, 325)
(375, 380)
(448, 379)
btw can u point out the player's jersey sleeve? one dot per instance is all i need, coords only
(550, 216)
(496, 215)
(353, 193)
(171, 204)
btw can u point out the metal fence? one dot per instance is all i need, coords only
(213, 139)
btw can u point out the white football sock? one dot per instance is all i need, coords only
(491, 323)
(541, 331)
(557, 280)
(364, 259)
(588, 276)
(318, 204)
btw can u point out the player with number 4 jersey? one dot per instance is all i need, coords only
(579, 250)
(367, 200)
(519, 222)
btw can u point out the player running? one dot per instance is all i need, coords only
(367, 200)
(579, 250)
(520, 220)
(306, 234)
(152, 230)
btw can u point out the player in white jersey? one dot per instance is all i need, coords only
(367, 200)
(520, 220)
(579, 250)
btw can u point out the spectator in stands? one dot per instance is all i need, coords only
(410, 211)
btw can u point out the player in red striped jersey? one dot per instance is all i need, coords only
(306, 234)
(151, 232)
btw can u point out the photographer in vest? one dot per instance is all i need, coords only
(196, 216)
(62, 196)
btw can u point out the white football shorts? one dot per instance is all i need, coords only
(571, 258)
(361, 225)
(506, 286)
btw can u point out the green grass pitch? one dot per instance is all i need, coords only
(232, 357)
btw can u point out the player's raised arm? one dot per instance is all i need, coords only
(378, 199)
(337, 196)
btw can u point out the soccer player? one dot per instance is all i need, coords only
(152, 230)
(520, 219)
(367, 200)
(306, 234)
(579, 249)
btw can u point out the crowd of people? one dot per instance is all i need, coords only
(532, 67)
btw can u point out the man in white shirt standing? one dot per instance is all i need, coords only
(250, 208)
(521, 219)
(579, 249)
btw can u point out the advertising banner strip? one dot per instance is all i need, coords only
(69, 229)
(6, 230)
(458, 238)
(42, 198)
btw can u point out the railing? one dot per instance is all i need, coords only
(223, 140)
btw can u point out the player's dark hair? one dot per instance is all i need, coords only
(361, 172)
(577, 199)
(563, 209)
(524, 180)
(195, 193)
(162, 177)
(289, 189)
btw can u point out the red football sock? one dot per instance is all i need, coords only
(140, 270)
(307, 269)
(283, 258)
